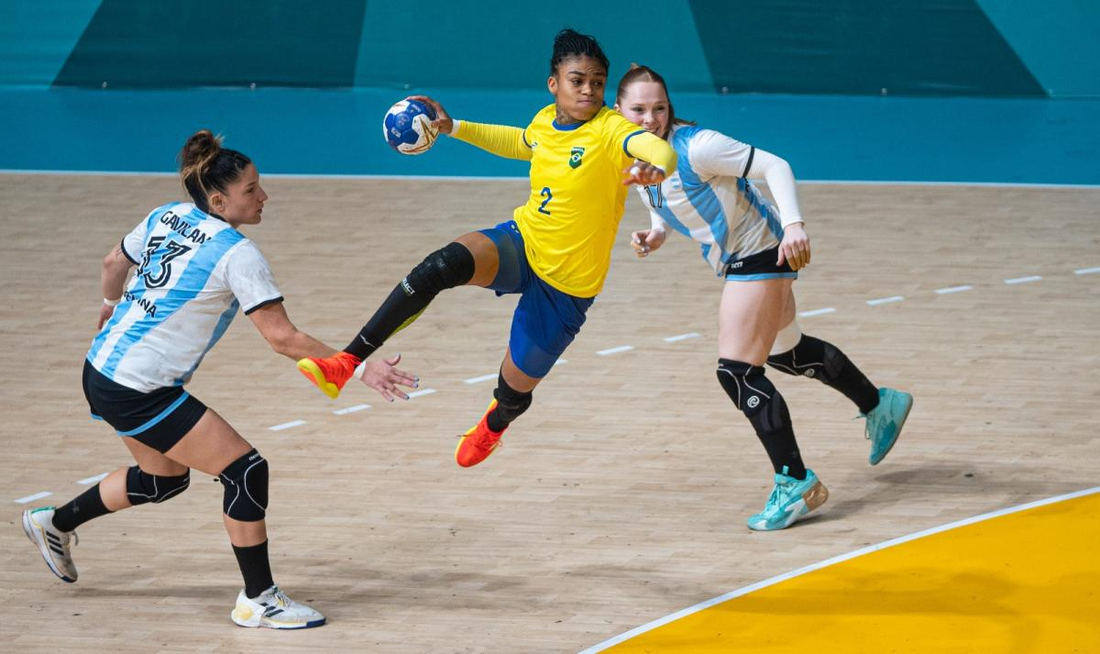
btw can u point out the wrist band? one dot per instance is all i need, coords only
(111, 303)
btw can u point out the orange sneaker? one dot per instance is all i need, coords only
(479, 441)
(330, 373)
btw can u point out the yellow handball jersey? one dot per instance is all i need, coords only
(577, 196)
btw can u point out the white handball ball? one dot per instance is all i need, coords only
(408, 127)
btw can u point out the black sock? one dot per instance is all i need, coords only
(773, 427)
(399, 309)
(81, 509)
(510, 405)
(813, 357)
(255, 568)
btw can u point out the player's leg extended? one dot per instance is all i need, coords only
(470, 259)
(749, 316)
(511, 398)
(800, 354)
(214, 447)
(544, 324)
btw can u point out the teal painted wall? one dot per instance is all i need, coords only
(984, 48)
(1059, 41)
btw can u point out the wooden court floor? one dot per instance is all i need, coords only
(619, 498)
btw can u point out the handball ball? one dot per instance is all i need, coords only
(408, 127)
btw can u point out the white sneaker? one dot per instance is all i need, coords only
(273, 609)
(52, 543)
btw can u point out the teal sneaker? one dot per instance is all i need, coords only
(790, 500)
(885, 421)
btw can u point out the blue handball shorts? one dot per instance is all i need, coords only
(546, 320)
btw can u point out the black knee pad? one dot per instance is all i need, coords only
(245, 482)
(142, 487)
(812, 357)
(445, 268)
(510, 403)
(746, 385)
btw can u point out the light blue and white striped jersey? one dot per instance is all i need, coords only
(194, 273)
(709, 199)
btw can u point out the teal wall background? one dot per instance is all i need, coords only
(983, 48)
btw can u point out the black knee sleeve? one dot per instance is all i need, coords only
(510, 403)
(812, 357)
(766, 410)
(746, 385)
(245, 482)
(142, 487)
(445, 268)
(825, 362)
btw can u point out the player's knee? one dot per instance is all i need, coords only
(445, 268)
(245, 484)
(511, 403)
(746, 385)
(142, 487)
(811, 357)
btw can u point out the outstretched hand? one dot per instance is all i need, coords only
(643, 173)
(443, 121)
(384, 377)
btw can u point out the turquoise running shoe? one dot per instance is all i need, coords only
(885, 421)
(790, 500)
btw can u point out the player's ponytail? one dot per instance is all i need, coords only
(639, 73)
(570, 43)
(205, 166)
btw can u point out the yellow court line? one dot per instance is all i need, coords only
(1023, 579)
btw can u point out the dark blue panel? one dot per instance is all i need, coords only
(860, 47)
(137, 43)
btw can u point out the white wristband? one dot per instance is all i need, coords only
(111, 303)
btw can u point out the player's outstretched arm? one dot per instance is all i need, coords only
(502, 140)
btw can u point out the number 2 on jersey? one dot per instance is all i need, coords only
(549, 196)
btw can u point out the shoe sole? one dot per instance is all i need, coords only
(897, 434)
(811, 499)
(313, 373)
(29, 528)
(268, 624)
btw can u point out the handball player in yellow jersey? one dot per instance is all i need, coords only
(556, 250)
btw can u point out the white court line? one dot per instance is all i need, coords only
(828, 562)
(426, 391)
(952, 289)
(287, 425)
(816, 312)
(681, 337)
(31, 498)
(1086, 271)
(615, 350)
(478, 380)
(91, 480)
(351, 409)
(560, 361)
(886, 300)
(1023, 280)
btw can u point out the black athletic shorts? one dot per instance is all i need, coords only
(158, 419)
(759, 266)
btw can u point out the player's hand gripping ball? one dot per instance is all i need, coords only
(408, 127)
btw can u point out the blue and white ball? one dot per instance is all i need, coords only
(408, 127)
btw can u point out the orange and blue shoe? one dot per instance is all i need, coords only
(479, 441)
(330, 373)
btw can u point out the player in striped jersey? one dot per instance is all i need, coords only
(758, 248)
(195, 270)
(556, 251)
